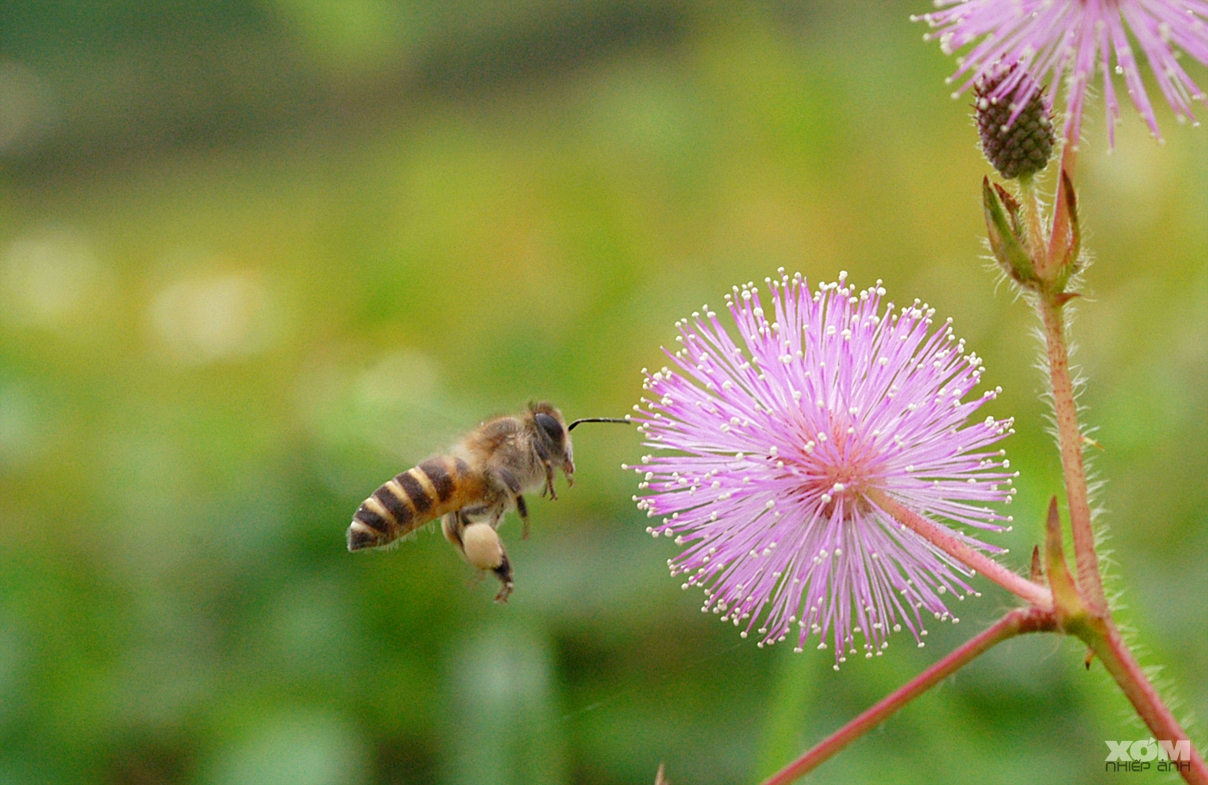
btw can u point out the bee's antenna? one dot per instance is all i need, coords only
(623, 421)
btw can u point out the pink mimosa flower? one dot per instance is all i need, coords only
(1074, 39)
(780, 444)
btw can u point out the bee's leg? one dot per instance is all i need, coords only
(504, 573)
(452, 526)
(510, 482)
(522, 509)
(484, 550)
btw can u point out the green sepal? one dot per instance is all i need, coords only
(1070, 260)
(1007, 236)
(1067, 602)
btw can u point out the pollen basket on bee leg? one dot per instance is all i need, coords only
(480, 543)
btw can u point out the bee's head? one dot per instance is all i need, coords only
(553, 435)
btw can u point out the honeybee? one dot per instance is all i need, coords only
(484, 476)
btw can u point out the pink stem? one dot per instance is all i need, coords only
(1016, 622)
(949, 544)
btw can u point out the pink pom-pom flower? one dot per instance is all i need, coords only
(773, 449)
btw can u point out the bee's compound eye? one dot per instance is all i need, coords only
(550, 425)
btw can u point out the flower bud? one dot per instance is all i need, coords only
(1023, 147)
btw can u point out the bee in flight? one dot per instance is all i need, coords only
(484, 476)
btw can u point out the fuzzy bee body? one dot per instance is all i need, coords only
(416, 497)
(483, 477)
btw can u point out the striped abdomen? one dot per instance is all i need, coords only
(417, 496)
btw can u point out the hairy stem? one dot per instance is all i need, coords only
(1093, 623)
(1105, 639)
(1069, 440)
(1016, 622)
(1030, 199)
(949, 544)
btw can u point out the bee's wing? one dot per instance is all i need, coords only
(407, 411)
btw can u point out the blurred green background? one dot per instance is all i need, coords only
(257, 256)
